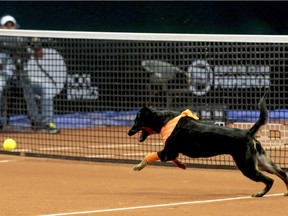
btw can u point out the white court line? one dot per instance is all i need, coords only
(101, 156)
(5, 161)
(158, 205)
(59, 148)
(114, 146)
(156, 144)
(136, 154)
(21, 150)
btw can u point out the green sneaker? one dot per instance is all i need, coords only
(51, 128)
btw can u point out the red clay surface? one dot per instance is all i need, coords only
(37, 186)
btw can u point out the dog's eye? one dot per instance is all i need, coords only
(138, 123)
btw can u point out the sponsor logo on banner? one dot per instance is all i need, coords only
(203, 77)
(79, 87)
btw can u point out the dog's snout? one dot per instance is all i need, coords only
(129, 133)
(132, 131)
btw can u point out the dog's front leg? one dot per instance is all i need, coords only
(150, 158)
(179, 164)
(141, 165)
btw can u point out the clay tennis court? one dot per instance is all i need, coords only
(35, 186)
(40, 186)
(105, 71)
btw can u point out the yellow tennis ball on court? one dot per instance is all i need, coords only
(9, 144)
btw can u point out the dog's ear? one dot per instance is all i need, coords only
(145, 111)
(148, 107)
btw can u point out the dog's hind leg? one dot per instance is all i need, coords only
(266, 164)
(249, 168)
(258, 176)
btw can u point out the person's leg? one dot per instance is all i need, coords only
(44, 90)
(5, 74)
(4, 78)
(30, 98)
(2, 86)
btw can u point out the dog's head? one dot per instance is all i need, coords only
(149, 121)
(143, 123)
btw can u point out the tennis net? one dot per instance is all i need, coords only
(99, 80)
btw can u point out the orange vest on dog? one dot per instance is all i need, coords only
(168, 128)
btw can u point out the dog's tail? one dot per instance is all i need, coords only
(263, 118)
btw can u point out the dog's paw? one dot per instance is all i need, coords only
(138, 167)
(180, 164)
(257, 195)
(141, 165)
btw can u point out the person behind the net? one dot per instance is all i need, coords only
(13, 49)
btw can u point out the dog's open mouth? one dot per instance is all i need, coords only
(143, 135)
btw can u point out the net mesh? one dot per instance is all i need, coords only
(98, 82)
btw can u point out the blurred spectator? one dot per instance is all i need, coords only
(8, 22)
(15, 53)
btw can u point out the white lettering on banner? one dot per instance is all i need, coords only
(241, 69)
(202, 77)
(232, 82)
(79, 87)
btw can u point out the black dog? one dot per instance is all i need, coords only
(195, 139)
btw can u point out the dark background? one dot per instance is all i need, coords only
(116, 73)
(217, 17)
